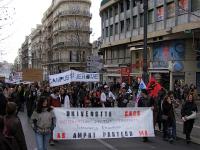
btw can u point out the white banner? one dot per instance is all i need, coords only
(102, 123)
(72, 76)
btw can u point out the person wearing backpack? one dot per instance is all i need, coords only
(188, 113)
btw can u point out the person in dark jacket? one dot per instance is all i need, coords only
(188, 113)
(4, 142)
(13, 127)
(3, 102)
(145, 101)
(168, 118)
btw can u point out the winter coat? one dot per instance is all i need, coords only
(168, 110)
(3, 103)
(43, 122)
(13, 129)
(4, 143)
(188, 108)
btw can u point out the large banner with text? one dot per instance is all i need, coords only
(72, 76)
(102, 123)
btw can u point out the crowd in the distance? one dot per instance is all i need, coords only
(39, 100)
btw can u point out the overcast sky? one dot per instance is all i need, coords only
(22, 15)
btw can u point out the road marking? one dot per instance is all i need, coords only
(106, 144)
(198, 127)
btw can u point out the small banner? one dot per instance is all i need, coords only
(72, 76)
(103, 123)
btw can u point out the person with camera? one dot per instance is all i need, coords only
(107, 97)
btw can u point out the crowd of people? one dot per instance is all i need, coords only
(39, 101)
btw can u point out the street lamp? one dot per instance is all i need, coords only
(145, 74)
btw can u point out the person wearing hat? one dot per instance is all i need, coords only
(107, 97)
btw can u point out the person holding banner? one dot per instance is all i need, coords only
(43, 123)
(145, 101)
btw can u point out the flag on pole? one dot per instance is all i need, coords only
(141, 86)
(153, 87)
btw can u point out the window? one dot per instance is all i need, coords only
(110, 12)
(183, 6)
(134, 22)
(103, 33)
(141, 20)
(106, 14)
(116, 28)
(128, 24)
(83, 56)
(111, 30)
(121, 7)
(122, 26)
(128, 4)
(70, 56)
(170, 10)
(160, 13)
(115, 9)
(150, 17)
(106, 31)
(195, 5)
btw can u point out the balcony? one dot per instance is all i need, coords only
(72, 44)
(71, 28)
(65, 61)
(72, 13)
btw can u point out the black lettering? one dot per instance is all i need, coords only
(72, 113)
(94, 135)
(96, 114)
(68, 113)
(92, 114)
(110, 114)
(101, 113)
(77, 113)
(84, 134)
(108, 134)
(82, 113)
(113, 134)
(126, 133)
(117, 134)
(80, 135)
(105, 113)
(131, 133)
(122, 134)
(86, 114)
(89, 135)
(74, 136)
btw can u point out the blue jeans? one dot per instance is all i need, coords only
(42, 140)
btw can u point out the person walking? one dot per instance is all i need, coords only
(13, 128)
(168, 118)
(3, 103)
(4, 142)
(188, 113)
(43, 122)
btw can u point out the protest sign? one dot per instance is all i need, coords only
(103, 123)
(72, 76)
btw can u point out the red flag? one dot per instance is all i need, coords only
(153, 87)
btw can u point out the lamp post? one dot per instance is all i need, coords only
(145, 67)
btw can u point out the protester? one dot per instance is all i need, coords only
(65, 102)
(13, 128)
(43, 122)
(168, 118)
(4, 142)
(107, 97)
(188, 113)
(3, 103)
(123, 98)
(144, 101)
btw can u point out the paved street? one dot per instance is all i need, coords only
(111, 144)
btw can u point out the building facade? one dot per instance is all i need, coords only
(66, 32)
(36, 47)
(173, 39)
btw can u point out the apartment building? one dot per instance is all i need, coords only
(36, 47)
(173, 39)
(66, 33)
